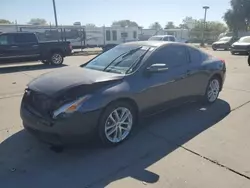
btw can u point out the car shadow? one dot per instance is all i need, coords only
(32, 67)
(24, 160)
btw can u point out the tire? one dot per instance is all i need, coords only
(213, 90)
(233, 53)
(56, 58)
(214, 49)
(249, 59)
(108, 133)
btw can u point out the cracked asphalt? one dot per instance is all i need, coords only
(192, 146)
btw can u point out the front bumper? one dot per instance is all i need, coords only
(220, 46)
(242, 50)
(61, 132)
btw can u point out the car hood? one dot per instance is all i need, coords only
(55, 82)
(220, 42)
(241, 44)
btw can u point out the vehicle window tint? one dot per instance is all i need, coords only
(166, 39)
(172, 56)
(6, 40)
(195, 55)
(25, 38)
(3, 40)
(172, 39)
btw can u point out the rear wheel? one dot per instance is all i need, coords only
(116, 123)
(56, 58)
(213, 90)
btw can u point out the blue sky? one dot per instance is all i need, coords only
(104, 12)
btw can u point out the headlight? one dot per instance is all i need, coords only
(70, 108)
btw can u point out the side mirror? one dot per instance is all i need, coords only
(157, 68)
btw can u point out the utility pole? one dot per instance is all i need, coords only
(204, 25)
(54, 6)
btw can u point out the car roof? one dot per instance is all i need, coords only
(156, 44)
(245, 37)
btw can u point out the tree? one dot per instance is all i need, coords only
(125, 23)
(212, 29)
(170, 25)
(238, 17)
(188, 23)
(37, 21)
(156, 26)
(3, 21)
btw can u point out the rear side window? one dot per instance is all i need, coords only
(3, 40)
(195, 55)
(165, 39)
(172, 39)
(172, 56)
(6, 39)
(25, 38)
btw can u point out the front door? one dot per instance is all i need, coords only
(27, 45)
(168, 87)
(7, 48)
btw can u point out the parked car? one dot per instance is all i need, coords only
(223, 43)
(107, 95)
(25, 46)
(242, 46)
(163, 38)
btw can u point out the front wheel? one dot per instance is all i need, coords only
(56, 58)
(213, 90)
(116, 123)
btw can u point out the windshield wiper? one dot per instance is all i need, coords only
(138, 61)
(122, 56)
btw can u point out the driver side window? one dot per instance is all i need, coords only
(3, 40)
(172, 56)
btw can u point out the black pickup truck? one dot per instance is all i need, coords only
(22, 46)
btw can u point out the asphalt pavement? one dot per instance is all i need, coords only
(192, 146)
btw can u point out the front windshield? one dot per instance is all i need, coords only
(155, 38)
(226, 39)
(118, 60)
(245, 39)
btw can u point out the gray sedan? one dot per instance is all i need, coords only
(109, 94)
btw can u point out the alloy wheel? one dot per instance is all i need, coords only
(57, 59)
(118, 124)
(213, 90)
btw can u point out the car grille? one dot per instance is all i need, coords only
(38, 103)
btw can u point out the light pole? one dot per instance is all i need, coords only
(54, 7)
(204, 25)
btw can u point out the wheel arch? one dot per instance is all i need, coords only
(128, 100)
(217, 75)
